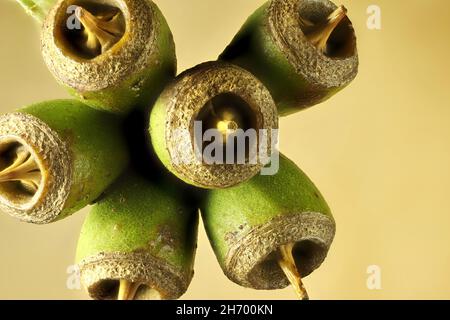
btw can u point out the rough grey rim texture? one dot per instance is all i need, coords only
(127, 57)
(247, 260)
(187, 97)
(55, 161)
(318, 69)
(139, 267)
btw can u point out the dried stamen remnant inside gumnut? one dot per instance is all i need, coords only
(100, 29)
(18, 167)
(319, 34)
(127, 290)
(131, 291)
(287, 264)
(227, 113)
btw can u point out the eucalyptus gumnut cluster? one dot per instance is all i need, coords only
(117, 145)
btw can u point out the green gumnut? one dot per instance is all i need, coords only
(141, 232)
(273, 45)
(116, 73)
(208, 94)
(57, 157)
(248, 224)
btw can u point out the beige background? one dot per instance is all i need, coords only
(379, 151)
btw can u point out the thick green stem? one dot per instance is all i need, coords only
(24, 169)
(38, 9)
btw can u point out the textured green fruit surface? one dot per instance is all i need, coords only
(249, 222)
(141, 89)
(141, 231)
